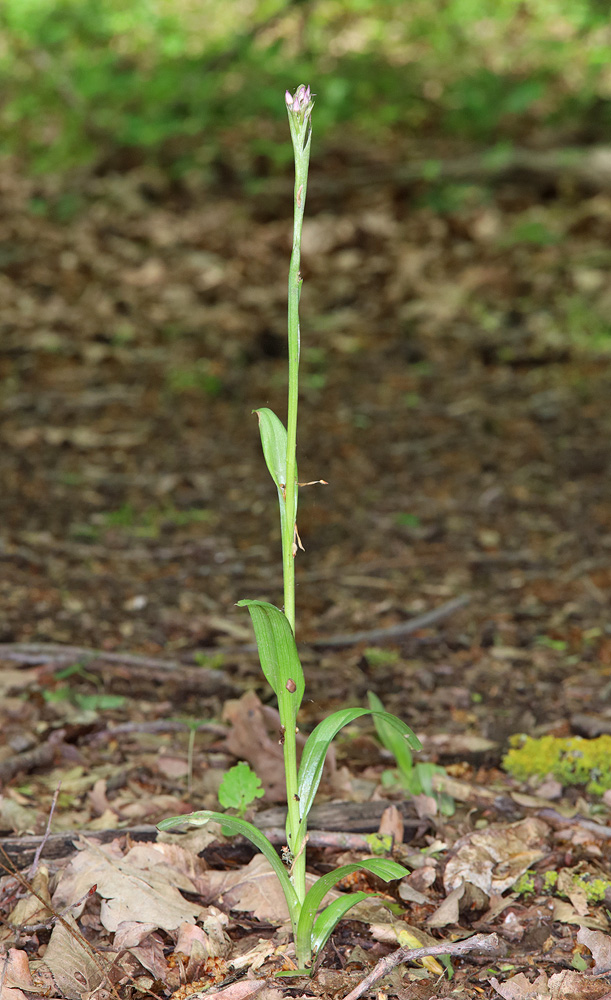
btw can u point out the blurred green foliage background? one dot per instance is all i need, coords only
(114, 83)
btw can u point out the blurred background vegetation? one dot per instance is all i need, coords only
(193, 84)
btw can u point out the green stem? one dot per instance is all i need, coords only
(295, 842)
(301, 134)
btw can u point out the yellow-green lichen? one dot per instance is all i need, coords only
(594, 888)
(525, 884)
(550, 880)
(571, 760)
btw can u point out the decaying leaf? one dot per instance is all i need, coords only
(494, 858)
(253, 889)
(142, 886)
(600, 946)
(74, 970)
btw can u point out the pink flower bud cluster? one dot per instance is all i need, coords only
(298, 102)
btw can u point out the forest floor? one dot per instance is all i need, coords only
(455, 397)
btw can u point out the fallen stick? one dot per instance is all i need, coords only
(479, 942)
(395, 631)
(203, 679)
(46, 652)
(339, 825)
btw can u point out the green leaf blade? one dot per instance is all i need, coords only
(383, 868)
(273, 440)
(278, 656)
(241, 826)
(327, 921)
(389, 737)
(240, 786)
(319, 740)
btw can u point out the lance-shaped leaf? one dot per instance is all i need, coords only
(274, 442)
(317, 745)
(389, 737)
(383, 868)
(279, 657)
(327, 921)
(240, 826)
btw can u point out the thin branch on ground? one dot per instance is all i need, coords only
(39, 756)
(396, 631)
(46, 834)
(34, 653)
(488, 943)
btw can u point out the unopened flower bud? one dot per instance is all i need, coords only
(299, 103)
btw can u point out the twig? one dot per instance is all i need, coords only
(155, 726)
(197, 678)
(479, 942)
(38, 757)
(46, 834)
(559, 822)
(214, 681)
(395, 631)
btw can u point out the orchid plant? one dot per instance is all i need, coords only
(275, 635)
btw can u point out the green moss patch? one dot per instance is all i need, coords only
(571, 760)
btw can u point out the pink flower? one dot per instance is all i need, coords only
(300, 102)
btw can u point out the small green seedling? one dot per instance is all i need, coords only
(240, 786)
(416, 778)
(98, 701)
(274, 629)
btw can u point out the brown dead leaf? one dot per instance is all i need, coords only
(143, 884)
(30, 909)
(574, 892)
(242, 990)
(391, 824)
(248, 740)
(130, 934)
(600, 946)
(254, 958)
(15, 975)
(447, 912)
(494, 858)
(565, 913)
(16, 817)
(74, 970)
(254, 889)
(151, 955)
(566, 985)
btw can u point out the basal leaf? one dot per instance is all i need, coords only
(240, 826)
(384, 868)
(327, 921)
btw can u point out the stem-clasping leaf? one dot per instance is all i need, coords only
(274, 442)
(279, 657)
